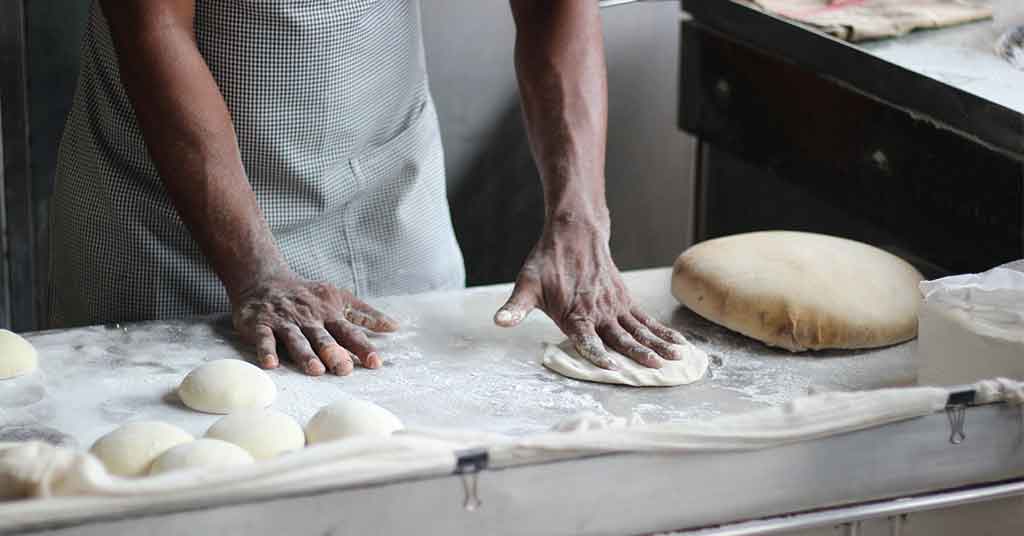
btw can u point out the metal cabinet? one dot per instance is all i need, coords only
(800, 131)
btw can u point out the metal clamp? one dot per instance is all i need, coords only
(956, 413)
(468, 465)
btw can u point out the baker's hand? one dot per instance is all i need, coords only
(570, 276)
(320, 325)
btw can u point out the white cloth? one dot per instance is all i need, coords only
(71, 485)
(971, 327)
(999, 390)
(992, 300)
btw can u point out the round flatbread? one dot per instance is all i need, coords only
(565, 360)
(801, 291)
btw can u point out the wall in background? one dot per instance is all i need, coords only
(54, 30)
(493, 186)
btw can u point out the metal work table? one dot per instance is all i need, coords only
(450, 367)
(950, 75)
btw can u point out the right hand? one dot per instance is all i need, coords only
(320, 325)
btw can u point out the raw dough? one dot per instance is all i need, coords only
(350, 417)
(564, 360)
(206, 453)
(226, 386)
(17, 356)
(130, 449)
(801, 291)
(264, 433)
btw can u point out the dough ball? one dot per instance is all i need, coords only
(206, 453)
(131, 449)
(351, 417)
(226, 386)
(17, 356)
(264, 433)
(801, 291)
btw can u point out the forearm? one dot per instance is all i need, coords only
(191, 140)
(560, 64)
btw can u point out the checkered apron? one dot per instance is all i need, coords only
(340, 143)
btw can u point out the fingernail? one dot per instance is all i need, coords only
(372, 361)
(677, 351)
(314, 368)
(268, 361)
(506, 316)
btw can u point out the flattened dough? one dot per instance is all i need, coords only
(564, 360)
(801, 291)
(17, 356)
(226, 386)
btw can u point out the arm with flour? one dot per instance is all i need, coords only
(190, 137)
(570, 274)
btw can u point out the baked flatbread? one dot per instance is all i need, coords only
(801, 291)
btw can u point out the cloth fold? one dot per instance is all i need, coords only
(860, 20)
(69, 485)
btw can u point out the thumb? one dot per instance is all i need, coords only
(518, 306)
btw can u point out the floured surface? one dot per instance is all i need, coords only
(449, 366)
(964, 57)
(565, 360)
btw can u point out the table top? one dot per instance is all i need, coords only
(449, 366)
(951, 76)
(963, 56)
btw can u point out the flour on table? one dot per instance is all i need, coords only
(564, 360)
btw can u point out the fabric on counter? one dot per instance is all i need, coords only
(70, 485)
(999, 390)
(861, 20)
(803, 419)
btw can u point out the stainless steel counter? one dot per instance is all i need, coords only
(449, 366)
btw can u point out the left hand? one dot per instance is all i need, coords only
(570, 276)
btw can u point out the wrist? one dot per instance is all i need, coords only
(578, 217)
(246, 278)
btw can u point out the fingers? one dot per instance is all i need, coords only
(624, 343)
(266, 347)
(518, 306)
(299, 350)
(333, 356)
(352, 338)
(665, 333)
(589, 345)
(646, 337)
(361, 314)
